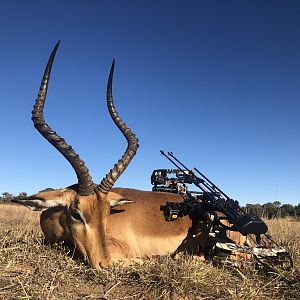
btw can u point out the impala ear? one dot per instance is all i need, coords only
(45, 200)
(114, 203)
(39, 204)
(116, 200)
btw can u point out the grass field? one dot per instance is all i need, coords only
(31, 270)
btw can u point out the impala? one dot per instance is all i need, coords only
(107, 224)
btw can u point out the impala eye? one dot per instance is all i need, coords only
(75, 215)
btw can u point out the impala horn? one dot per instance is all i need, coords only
(85, 183)
(110, 179)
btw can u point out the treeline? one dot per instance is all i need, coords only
(268, 210)
(6, 197)
(273, 210)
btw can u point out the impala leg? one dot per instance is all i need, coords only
(194, 242)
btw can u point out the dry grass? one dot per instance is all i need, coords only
(31, 270)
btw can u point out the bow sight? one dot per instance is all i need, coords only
(211, 205)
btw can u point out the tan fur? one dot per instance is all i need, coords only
(141, 225)
(125, 232)
(129, 231)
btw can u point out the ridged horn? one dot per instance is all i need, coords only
(110, 179)
(85, 183)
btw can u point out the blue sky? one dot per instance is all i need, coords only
(216, 82)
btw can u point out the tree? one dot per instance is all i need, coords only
(297, 210)
(288, 210)
(22, 194)
(254, 209)
(46, 190)
(277, 204)
(270, 210)
(6, 196)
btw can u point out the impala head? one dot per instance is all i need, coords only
(82, 208)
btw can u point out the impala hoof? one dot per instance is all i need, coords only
(105, 264)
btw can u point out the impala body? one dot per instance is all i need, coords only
(124, 232)
(107, 224)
